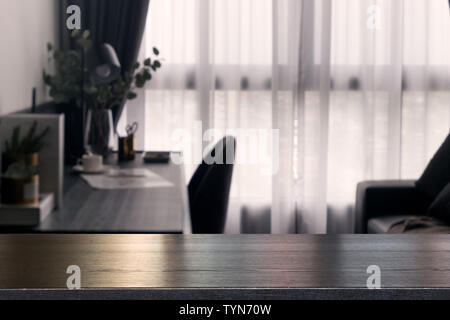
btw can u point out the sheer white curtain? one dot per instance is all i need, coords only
(357, 89)
(390, 99)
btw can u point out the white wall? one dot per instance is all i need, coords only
(25, 28)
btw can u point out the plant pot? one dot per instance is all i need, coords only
(31, 159)
(99, 131)
(20, 191)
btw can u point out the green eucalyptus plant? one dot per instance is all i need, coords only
(65, 83)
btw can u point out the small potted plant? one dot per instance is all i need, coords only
(20, 161)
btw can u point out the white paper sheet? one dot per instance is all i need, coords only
(127, 179)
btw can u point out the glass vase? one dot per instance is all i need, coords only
(99, 131)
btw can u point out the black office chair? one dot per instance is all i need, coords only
(209, 189)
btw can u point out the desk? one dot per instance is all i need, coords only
(154, 210)
(227, 266)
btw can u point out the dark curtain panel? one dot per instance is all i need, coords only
(120, 23)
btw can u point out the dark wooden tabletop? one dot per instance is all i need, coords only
(153, 210)
(224, 261)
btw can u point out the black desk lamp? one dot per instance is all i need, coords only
(103, 64)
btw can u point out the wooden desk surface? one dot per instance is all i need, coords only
(153, 210)
(219, 261)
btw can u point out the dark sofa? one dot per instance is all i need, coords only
(380, 204)
(408, 206)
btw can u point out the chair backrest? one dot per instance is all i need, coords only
(209, 188)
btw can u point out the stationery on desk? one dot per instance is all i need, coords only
(100, 176)
(156, 157)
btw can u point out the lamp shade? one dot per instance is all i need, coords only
(103, 64)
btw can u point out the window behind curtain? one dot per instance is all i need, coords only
(173, 26)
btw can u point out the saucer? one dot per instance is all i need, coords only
(80, 169)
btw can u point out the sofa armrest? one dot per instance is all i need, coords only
(389, 197)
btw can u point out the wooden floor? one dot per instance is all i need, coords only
(240, 261)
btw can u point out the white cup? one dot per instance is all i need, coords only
(91, 162)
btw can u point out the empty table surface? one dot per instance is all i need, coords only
(152, 210)
(224, 261)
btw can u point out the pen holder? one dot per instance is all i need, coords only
(127, 148)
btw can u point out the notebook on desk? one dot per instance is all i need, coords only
(156, 157)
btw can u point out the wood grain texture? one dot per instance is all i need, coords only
(224, 261)
(228, 294)
(154, 210)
